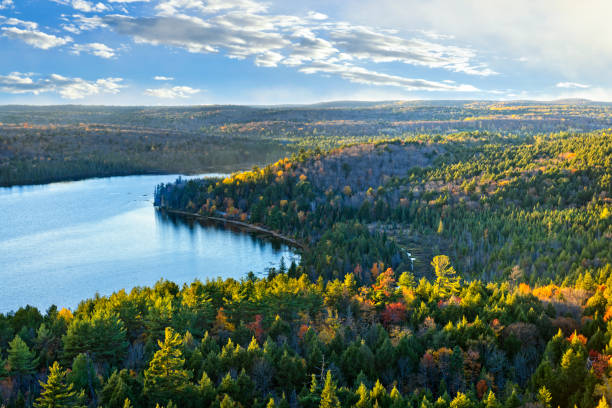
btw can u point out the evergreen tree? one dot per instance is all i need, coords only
(544, 397)
(20, 359)
(603, 403)
(491, 401)
(364, 397)
(166, 378)
(56, 392)
(447, 281)
(21, 362)
(329, 399)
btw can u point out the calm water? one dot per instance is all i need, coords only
(63, 242)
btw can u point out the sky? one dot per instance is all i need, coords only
(251, 52)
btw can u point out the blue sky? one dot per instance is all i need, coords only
(174, 52)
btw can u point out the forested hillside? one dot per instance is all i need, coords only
(39, 144)
(535, 208)
(472, 269)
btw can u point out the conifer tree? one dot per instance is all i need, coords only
(447, 281)
(603, 403)
(329, 399)
(166, 378)
(544, 397)
(364, 397)
(21, 361)
(56, 392)
(491, 401)
(206, 390)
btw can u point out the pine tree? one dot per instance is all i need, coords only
(603, 403)
(461, 401)
(364, 397)
(20, 358)
(491, 401)
(56, 392)
(329, 399)
(544, 397)
(447, 281)
(21, 362)
(166, 378)
(206, 390)
(228, 402)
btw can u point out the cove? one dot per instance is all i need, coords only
(61, 243)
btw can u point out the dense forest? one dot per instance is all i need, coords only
(40, 144)
(452, 270)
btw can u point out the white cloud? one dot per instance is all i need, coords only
(379, 46)
(163, 78)
(4, 4)
(174, 7)
(571, 85)
(97, 49)
(364, 76)
(81, 23)
(558, 37)
(17, 22)
(172, 93)
(84, 5)
(312, 43)
(316, 15)
(128, 1)
(68, 88)
(35, 38)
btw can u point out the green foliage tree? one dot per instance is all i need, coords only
(329, 397)
(447, 281)
(57, 393)
(165, 378)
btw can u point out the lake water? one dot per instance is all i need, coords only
(61, 243)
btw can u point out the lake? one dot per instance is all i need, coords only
(64, 242)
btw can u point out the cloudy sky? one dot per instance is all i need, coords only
(171, 52)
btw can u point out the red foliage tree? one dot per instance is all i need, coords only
(394, 313)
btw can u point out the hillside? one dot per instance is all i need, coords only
(40, 144)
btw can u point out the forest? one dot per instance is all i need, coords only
(41, 144)
(470, 269)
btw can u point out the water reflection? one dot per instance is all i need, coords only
(64, 242)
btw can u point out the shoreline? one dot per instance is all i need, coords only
(242, 225)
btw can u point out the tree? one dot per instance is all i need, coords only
(166, 378)
(56, 392)
(364, 397)
(447, 281)
(544, 397)
(21, 361)
(406, 280)
(103, 337)
(329, 399)
(83, 375)
(491, 401)
(461, 401)
(119, 387)
(603, 403)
